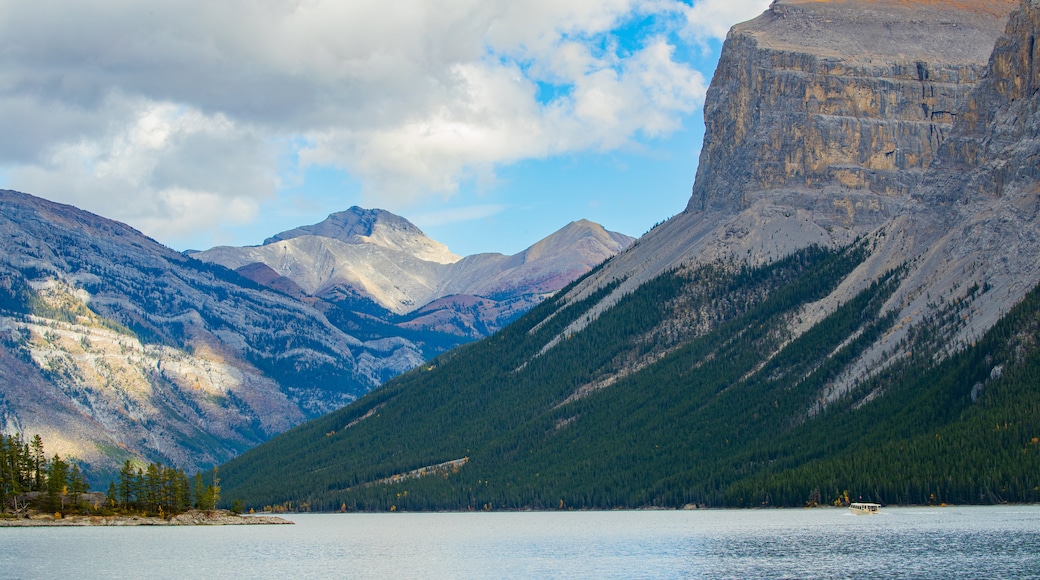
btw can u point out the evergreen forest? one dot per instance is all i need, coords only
(31, 481)
(692, 390)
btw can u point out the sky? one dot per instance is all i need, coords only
(489, 124)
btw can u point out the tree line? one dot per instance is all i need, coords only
(29, 480)
(161, 491)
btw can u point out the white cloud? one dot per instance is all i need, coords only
(165, 169)
(169, 114)
(713, 18)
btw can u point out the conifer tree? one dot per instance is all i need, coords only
(112, 497)
(199, 492)
(57, 482)
(125, 489)
(77, 484)
(38, 462)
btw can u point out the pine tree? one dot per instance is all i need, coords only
(77, 485)
(199, 492)
(6, 475)
(125, 488)
(112, 497)
(38, 461)
(57, 483)
(152, 488)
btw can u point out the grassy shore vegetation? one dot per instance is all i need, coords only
(725, 409)
(29, 481)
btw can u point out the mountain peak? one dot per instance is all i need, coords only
(346, 225)
(374, 226)
(572, 235)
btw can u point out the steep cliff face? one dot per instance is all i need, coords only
(996, 136)
(844, 103)
(822, 118)
(955, 204)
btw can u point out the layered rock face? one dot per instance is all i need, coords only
(823, 119)
(996, 135)
(840, 103)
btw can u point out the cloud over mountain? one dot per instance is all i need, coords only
(151, 112)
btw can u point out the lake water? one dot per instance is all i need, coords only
(950, 542)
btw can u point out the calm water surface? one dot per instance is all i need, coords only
(952, 542)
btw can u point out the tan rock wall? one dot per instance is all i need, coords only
(815, 115)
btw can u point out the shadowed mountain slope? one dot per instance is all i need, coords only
(114, 347)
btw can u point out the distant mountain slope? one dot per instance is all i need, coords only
(373, 255)
(377, 227)
(848, 305)
(114, 346)
(118, 347)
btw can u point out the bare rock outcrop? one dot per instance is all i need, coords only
(842, 104)
(823, 118)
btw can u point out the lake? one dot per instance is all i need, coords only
(949, 542)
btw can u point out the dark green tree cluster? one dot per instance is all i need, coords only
(29, 479)
(727, 412)
(162, 491)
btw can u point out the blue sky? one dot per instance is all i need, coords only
(626, 190)
(489, 124)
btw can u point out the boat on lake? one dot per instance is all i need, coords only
(861, 508)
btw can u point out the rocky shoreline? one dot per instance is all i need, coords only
(189, 518)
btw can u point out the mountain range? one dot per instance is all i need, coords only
(373, 261)
(846, 308)
(114, 347)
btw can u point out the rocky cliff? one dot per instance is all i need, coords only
(845, 101)
(824, 119)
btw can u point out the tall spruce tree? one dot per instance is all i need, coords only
(39, 462)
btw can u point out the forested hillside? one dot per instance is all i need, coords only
(728, 415)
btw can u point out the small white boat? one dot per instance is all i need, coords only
(864, 509)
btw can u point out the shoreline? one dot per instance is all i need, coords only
(687, 507)
(188, 518)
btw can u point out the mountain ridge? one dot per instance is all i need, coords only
(374, 226)
(802, 333)
(115, 347)
(391, 273)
